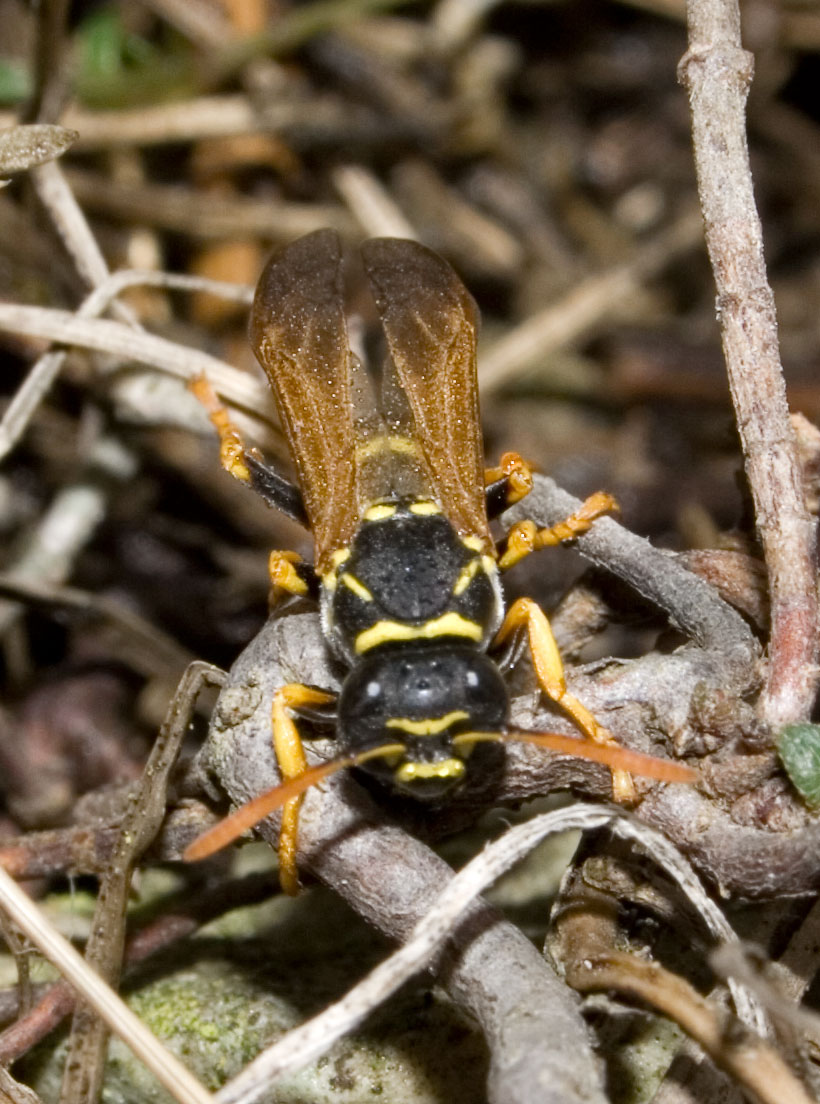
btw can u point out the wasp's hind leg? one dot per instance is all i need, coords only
(290, 756)
(549, 670)
(247, 464)
(525, 536)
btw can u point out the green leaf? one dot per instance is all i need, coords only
(799, 749)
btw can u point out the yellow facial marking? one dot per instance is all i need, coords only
(475, 544)
(425, 509)
(359, 589)
(446, 769)
(449, 624)
(379, 513)
(430, 727)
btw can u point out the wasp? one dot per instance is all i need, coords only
(406, 572)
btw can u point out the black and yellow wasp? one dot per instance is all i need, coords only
(406, 571)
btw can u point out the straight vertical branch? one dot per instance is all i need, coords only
(717, 72)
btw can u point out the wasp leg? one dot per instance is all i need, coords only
(247, 464)
(289, 572)
(549, 670)
(525, 537)
(290, 755)
(507, 484)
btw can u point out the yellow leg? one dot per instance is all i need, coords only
(526, 537)
(549, 670)
(290, 756)
(283, 573)
(518, 473)
(231, 446)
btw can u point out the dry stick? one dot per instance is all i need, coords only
(584, 305)
(41, 376)
(370, 203)
(13, 1092)
(85, 1062)
(56, 1001)
(717, 72)
(755, 1064)
(190, 211)
(691, 604)
(165, 1066)
(105, 336)
(313, 1038)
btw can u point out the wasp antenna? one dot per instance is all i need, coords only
(648, 766)
(619, 758)
(249, 815)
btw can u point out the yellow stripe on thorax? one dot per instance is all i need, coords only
(358, 588)
(449, 624)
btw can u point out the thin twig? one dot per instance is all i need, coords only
(755, 1064)
(85, 1062)
(717, 72)
(312, 1039)
(583, 306)
(105, 336)
(46, 369)
(165, 1066)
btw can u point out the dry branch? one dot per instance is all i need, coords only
(717, 73)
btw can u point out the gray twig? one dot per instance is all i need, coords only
(717, 72)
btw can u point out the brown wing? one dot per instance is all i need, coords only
(298, 332)
(430, 320)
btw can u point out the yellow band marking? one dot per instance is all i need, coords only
(379, 512)
(468, 573)
(337, 559)
(425, 509)
(359, 589)
(449, 624)
(430, 727)
(391, 443)
(446, 769)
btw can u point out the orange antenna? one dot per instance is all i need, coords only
(249, 815)
(648, 766)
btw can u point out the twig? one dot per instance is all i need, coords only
(582, 307)
(105, 336)
(755, 1064)
(371, 204)
(143, 1043)
(691, 604)
(189, 211)
(717, 72)
(312, 1039)
(85, 1062)
(73, 515)
(43, 373)
(15, 1093)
